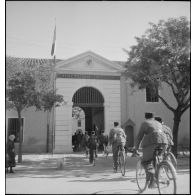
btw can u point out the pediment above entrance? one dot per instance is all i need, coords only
(88, 62)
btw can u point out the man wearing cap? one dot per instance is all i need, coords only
(152, 136)
(117, 137)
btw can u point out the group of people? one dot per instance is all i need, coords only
(77, 141)
(95, 142)
(153, 134)
(91, 144)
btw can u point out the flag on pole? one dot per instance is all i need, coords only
(54, 43)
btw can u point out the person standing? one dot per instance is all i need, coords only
(117, 137)
(152, 136)
(11, 153)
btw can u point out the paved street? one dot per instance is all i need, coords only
(38, 174)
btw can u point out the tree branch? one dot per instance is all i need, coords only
(166, 104)
(172, 87)
(185, 108)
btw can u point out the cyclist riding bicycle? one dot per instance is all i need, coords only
(151, 135)
(117, 138)
(167, 132)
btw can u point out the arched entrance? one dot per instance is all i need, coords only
(92, 102)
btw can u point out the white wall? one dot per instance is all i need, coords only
(110, 90)
(134, 106)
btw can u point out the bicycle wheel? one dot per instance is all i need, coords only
(141, 176)
(122, 162)
(171, 158)
(166, 178)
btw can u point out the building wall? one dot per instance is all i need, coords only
(110, 90)
(34, 130)
(134, 106)
(75, 125)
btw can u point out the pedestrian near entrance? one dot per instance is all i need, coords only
(117, 137)
(10, 161)
(84, 143)
(92, 144)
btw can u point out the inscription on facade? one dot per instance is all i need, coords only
(83, 76)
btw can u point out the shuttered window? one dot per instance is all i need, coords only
(151, 96)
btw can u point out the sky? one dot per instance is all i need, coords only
(105, 28)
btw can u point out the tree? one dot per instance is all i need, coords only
(29, 84)
(20, 94)
(162, 56)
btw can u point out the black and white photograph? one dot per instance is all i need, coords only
(97, 97)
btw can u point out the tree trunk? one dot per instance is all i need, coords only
(47, 144)
(177, 119)
(20, 138)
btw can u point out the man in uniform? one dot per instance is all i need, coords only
(117, 137)
(152, 136)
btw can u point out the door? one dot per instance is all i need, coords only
(130, 136)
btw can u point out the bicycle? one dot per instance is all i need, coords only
(165, 174)
(121, 160)
(168, 155)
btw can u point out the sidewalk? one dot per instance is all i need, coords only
(38, 174)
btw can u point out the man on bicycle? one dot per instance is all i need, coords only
(151, 135)
(167, 132)
(117, 138)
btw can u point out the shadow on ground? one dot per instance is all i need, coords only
(78, 167)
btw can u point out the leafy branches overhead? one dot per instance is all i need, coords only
(20, 91)
(163, 55)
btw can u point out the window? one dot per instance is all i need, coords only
(79, 123)
(14, 128)
(151, 96)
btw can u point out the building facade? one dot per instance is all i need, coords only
(99, 87)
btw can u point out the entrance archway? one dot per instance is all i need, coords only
(92, 102)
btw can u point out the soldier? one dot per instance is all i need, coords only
(151, 135)
(117, 137)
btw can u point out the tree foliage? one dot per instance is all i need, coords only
(162, 55)
(29, 84)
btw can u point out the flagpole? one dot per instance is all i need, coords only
(54, 87)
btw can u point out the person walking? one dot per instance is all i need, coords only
(152, 136)
(92, 144)
(10, 161)
(117, 137)
(84, 143)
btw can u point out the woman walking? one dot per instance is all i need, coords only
(10, 161)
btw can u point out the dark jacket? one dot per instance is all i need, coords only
(151, 132)
(92, 142)
(11, 154)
